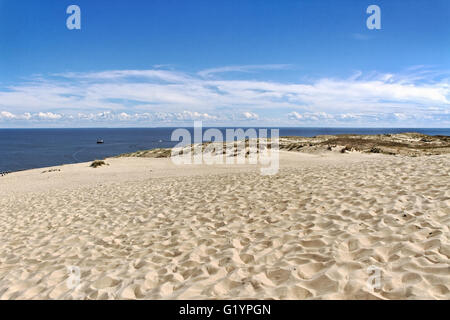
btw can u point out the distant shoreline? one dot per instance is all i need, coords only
(408, 143)
(401, 144)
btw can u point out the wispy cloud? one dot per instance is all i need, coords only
(245, 68)
(417, 95)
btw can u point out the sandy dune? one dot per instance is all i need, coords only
(145, 228)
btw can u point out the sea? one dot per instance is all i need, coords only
(22, 149)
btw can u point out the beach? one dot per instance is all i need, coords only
(323, 227)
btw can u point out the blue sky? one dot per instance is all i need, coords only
(245, 63)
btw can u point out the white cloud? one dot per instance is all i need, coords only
(164, 96)
(308, 116)
(165, 75)
(401, 116)
(250, 115)
(6, 115)
(124, 116)
(295, 115)
(246, 68)
(48, 115)
(349, 116)
(187, 115)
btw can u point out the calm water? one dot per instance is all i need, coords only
(35, 148)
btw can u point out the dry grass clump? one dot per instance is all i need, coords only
(375, 150)
(51, 170)
(346, 148)
(98, 163)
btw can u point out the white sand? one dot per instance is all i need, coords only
(147, 229)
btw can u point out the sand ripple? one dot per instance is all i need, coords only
(306, 233)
